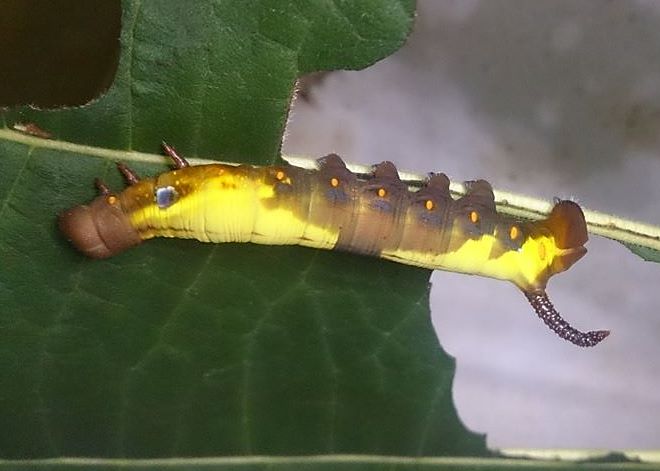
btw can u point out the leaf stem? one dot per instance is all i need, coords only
(610, 226)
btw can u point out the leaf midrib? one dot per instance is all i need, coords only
(613, 227)
(340, 459)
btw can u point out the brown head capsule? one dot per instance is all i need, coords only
(99, 229)
(569, 228)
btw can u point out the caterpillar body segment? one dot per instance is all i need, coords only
(331, 208)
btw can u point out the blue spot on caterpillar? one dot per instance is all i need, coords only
(165, 196)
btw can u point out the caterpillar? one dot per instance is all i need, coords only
(331, 208)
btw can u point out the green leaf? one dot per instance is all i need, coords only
(179, 348)
(215, 78)
(331, 462)
(647, 253)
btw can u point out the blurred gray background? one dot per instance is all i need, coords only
(544, 98)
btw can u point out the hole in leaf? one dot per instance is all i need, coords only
(57, 52)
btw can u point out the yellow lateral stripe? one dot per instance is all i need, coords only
(230, 209)
(521, 267)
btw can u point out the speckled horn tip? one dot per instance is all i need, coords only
(549, 315)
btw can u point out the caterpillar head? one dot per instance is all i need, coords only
(550, 246)
(568, 227)
(100, 229)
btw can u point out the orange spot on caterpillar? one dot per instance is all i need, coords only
(381, 192)
(334, 182)
(514, 232)
(279, 175)
(474, 217)
(112, 200)
(429, 205)
(541, 251)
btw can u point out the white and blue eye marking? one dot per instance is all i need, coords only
(165, 196)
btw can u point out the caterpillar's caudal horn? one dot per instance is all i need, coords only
(100, 229)
(549, 315)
